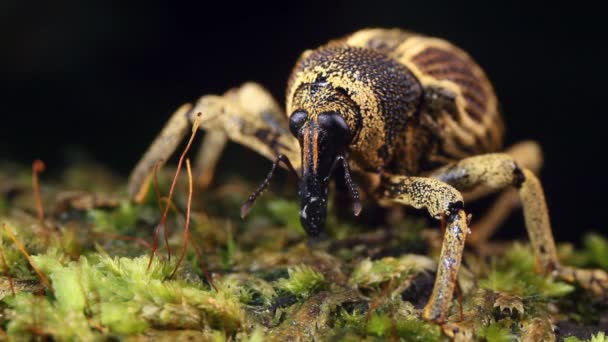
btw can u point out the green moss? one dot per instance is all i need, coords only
(15, 261)
(515, 274)
(372, 273)
(596, 250)
(594, 253)
(379, 325)
(286, 213)
(228, 251)
(302, 282)
(256, 336)
(418, 330)
(496, 333)
(270, 284)
(249, 289)
(126, 297)
(119, 220)
(32, 316)
(3, 205)
(599, 337)
(393, 319)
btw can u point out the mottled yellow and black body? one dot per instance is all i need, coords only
(414, 113)
(413, 102)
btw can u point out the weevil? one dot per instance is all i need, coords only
(413, 117)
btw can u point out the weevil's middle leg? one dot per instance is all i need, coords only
(528, 155)
(500, 171)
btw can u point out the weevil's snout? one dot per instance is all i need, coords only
(323, 139)
(313, 211)
(317, 158)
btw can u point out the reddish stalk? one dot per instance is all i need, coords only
(197, 250)
(201, 261)
(163, 219)
(41, 275)
(187, 225)
(7, 270)
(159, 198)
(38, 167)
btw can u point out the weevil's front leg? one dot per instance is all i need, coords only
(499, 171)
(255, 114)
(238, 115)
(157, 154)
(442, 202)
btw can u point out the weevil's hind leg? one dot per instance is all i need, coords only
(528, 155)
(157, 154)
(442, 201)
(500, 171)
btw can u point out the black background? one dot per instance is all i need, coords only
(104, 75)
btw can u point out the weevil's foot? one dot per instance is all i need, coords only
(433, 314)
(594, 280)
(460, 331)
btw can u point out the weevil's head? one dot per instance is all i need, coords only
(323, 121)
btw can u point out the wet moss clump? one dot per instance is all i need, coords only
(85, 271)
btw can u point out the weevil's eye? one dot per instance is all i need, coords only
(296, 120)
(335, 125)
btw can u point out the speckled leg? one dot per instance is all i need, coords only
(499, 171)
(246, 115)
(442, 201)
(528, 155)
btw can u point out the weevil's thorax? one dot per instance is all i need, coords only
(376, 95)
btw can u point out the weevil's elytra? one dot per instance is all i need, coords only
(413, 114)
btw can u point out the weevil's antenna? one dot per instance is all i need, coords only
(249, 203)
(350, 184)
(352, 187)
